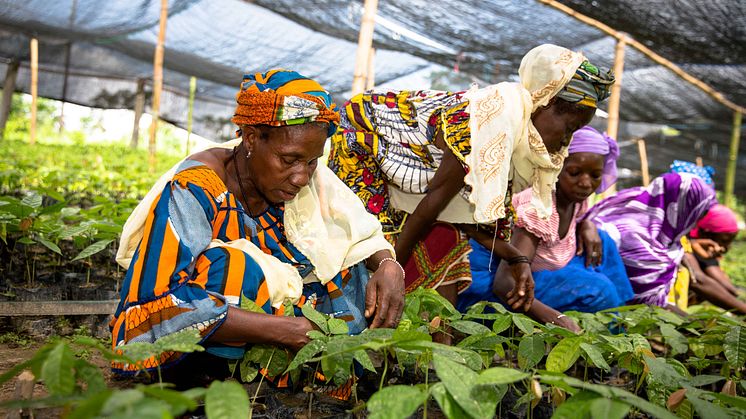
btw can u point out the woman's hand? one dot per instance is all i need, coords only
(706, 248)
(297, 336)
(566, 322)
(589, 242)
(522, 294)
(384, 295)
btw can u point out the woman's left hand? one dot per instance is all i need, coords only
(384, 295)
(589, 242)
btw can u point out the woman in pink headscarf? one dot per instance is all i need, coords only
(710, 239)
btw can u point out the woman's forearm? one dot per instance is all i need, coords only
(242, 327)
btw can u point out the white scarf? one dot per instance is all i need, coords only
(504, 141)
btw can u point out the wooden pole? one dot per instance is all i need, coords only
(730, 174)
(192, 91)
(157, 83)
(370, 77)
(698, 161)
(643, 162)
(612, 129)
(9, 87)
(34, 87)
(364, 44)
(648, 52)
(139, 108)
(68, 47)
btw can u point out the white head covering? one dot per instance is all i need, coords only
(505, 143)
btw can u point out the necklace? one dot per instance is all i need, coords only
(240, 185)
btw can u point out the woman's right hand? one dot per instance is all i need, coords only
(297, 333)
(522, 295)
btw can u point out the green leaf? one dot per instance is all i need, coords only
(499, 375)
(180, 403)
(522, 322)
(469, 327)
(185, 341)
(734, 346)
(564, 354)
(706, 409)
(459, 381)
(502, 323)
(49, 245)
(247, 371)
(531, 350)
(602, 408)
(57, 370)
(338, 327)
(595, 356)
(307, 353)
(446, 402)
(705, 380)
(226, 400)
(91, 375)
(250, 305)
(674, 339)
(32, 200)
(25, 240)
(91, 407)
(396, 401)
(317, 318)
(663, 372)
(577, 406)
(74, 231)
(93, 249)
(364, 360)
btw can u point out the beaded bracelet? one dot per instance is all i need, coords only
(518, 259)
(403, 274)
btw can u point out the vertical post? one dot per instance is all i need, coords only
(730, 174)
(139, 108)
(157, 83)
(192, 91)
(698, 161)
(68, 47)
(643, 161)
(612, 128)
(364, 43)
(370, 77)
(34, 86)
(8, 88)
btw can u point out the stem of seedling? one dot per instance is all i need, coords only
(385, 368)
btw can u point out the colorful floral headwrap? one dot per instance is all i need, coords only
(589, 140)
(282, 97)
(705, 173)
(588, 86)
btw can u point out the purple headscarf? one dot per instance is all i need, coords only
(588, 140)
(648, 223)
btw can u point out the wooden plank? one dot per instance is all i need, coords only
(57, 308)
(364, 44)
(643, 162)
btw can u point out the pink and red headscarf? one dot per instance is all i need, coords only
(719, 219)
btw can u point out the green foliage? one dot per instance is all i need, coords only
(226, 400)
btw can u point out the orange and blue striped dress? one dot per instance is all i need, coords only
(175, 282)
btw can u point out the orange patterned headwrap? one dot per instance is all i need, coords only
(281, 97)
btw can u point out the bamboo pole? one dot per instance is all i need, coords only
(157, 83)
(68, 47)
(139, 108)
(730, 173)
(612, 129)
(11, 73)
(34, 87)
(648, 52)
(643, 162)
(370, 76)
(192, 91)
(364, 44)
